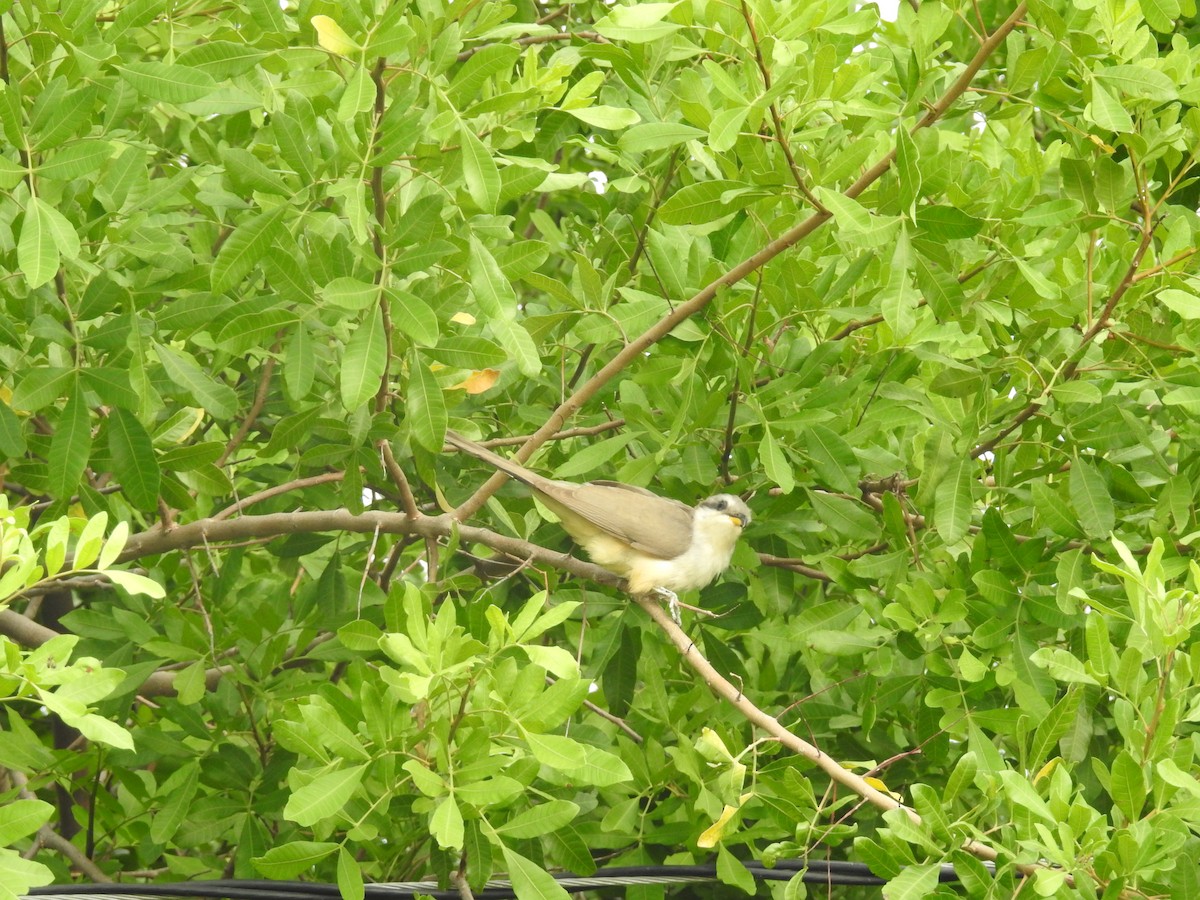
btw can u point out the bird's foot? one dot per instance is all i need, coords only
(673, 605)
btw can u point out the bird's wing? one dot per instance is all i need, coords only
(644, 520)
(651, 524)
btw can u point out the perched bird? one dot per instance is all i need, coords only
(658, 545)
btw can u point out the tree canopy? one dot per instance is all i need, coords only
(922, 289)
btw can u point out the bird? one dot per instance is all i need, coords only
(658, 545)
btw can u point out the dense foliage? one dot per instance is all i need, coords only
(922, 289)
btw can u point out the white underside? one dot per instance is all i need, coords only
(714, 535)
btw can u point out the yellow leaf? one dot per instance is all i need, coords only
(331, 37)
(714, 832)
(880, 786)
(463, 318)
(479, 381)
(1046, 769)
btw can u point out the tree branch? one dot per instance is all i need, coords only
(635, 348)
(836, 772)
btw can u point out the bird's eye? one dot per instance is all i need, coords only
(721, 504)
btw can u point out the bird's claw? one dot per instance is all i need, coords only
(672, 604)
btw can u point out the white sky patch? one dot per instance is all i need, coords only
(888, 9)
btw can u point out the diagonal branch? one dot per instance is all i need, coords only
(635, 348)
(772, 726)
(1072, 365)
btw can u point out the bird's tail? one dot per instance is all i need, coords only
(507, 466)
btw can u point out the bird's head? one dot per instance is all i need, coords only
(727, 505)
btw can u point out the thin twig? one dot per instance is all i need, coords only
(539, 39)
(1071, 367)
(260, 400)
(776, 118)
(278, 489)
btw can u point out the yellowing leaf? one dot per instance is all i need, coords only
(1046, 769)
(714, 832)
(463, 318)
(880, 786)
(478, 381)
(331, 37)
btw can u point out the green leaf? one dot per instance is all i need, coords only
(913, 883)
(731, 871)
(556, 751)
(657, 136)
(299, 363)
(99, 729)
(775, 463)
(248, 244)
(359, 95)
(91, 540)
(1107, 112)
(426, 407)
(706, 201)
(556, 660)
(468, 353)
(953, 500)
(18, 875)
(37, 250)
(1184, 303)
(489, 286)
(166, 82)
(540, 819)
(847, 517)
(1139, 82)
(528, 880)
(1062, 665)
(20, 818)
(324, 796)
(12, 436)
(133, 459)
(609, 117)
(479, 171)
(349, 876)
(178, 792)
(136, 584)
(726, 127)
(490, 60)
(414, 317)
(76, 160)
(446, 824)
(219, 399)
(1090, 497)
(520, 344)
(41, 387)
(638, 23)
(292, 859)
(1128, 786)
(849, 214)
(364, 361)
(71, 445)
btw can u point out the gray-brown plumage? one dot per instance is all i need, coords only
(652, 541)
